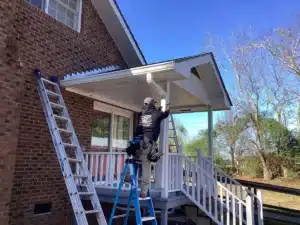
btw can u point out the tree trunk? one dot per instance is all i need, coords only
(266, 172)
(232, 159)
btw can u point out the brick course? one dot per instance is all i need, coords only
(55, 49)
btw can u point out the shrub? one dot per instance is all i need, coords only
(251, 166)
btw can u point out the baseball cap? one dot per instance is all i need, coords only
(148, 100)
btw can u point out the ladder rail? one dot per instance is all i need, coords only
(60, 150)
(133, 198)
(52, 116)
(90, 186)
(175, 133)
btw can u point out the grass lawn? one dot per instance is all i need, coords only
(278, 199)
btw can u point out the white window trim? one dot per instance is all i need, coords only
(113, 110)
(78, 13)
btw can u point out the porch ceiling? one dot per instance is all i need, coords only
(194, 85)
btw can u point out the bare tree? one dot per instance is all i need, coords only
(284, 45)
(229, 132)
(261, 87)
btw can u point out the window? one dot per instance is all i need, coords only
(101, 131)
(67, 12)
(121, 133)
(112, 128)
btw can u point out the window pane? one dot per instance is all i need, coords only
(73, 4)
(70, 15)
(37, 3)
(121, 130)
(52, 12)
(64, 1)
(101, 131)
(70, 23)
(61, 14)
(53, 4)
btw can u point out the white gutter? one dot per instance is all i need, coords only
(119, 74)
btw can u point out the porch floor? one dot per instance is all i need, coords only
(175, 198)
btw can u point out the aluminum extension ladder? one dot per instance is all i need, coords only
(134, 198)
(65, 141)
(173, 140)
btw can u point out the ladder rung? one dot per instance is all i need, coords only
(65, 131)
(48, 81)
(79, 176)
(85, 193)
(148, 218)
(74, 160)
(92, 211)
(55, 105)
(61, 118)
(142, 199)
(119, 216)
(52, 93)
(69, 145)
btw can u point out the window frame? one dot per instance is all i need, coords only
(78, 12)
(114, 110)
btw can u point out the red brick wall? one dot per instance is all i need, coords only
(55, 49)
(10, 83)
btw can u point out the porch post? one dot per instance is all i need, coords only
(210, 132)
(165, 146)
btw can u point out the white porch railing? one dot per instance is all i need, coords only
(222, 198)
(106, 168)
(175, 172)
(217, 194)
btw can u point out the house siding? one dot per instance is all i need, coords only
(29, 164)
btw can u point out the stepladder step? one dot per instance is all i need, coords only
(144, 199)
(119, 216)
(148, 218)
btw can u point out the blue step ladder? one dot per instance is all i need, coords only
(133, 165)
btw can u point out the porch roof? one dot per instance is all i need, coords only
(195, 84)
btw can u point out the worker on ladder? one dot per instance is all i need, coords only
(149, 120)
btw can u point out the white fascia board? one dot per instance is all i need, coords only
(185, 66)
(118, 14)
(119, 74)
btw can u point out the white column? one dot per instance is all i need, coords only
(210, 132)
(165, 145)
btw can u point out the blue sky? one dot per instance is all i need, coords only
(166, 29)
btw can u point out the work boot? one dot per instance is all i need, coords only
(127, 179)
(143, 194)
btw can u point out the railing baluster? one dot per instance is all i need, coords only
(241, 215)
(222, 205)
(101, 168)
(119, 159)
(193, 180)
(96, 169)
(91, 165)
(107, 165)
(228, 208)
(233, 209)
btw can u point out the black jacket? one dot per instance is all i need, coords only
(149, 122)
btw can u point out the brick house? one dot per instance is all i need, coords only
(89, 46)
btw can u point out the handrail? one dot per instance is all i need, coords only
(270, 187)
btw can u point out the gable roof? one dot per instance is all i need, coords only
(119, 30)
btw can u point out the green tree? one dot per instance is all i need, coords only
(229, 132)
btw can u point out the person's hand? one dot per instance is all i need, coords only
(168, 107)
